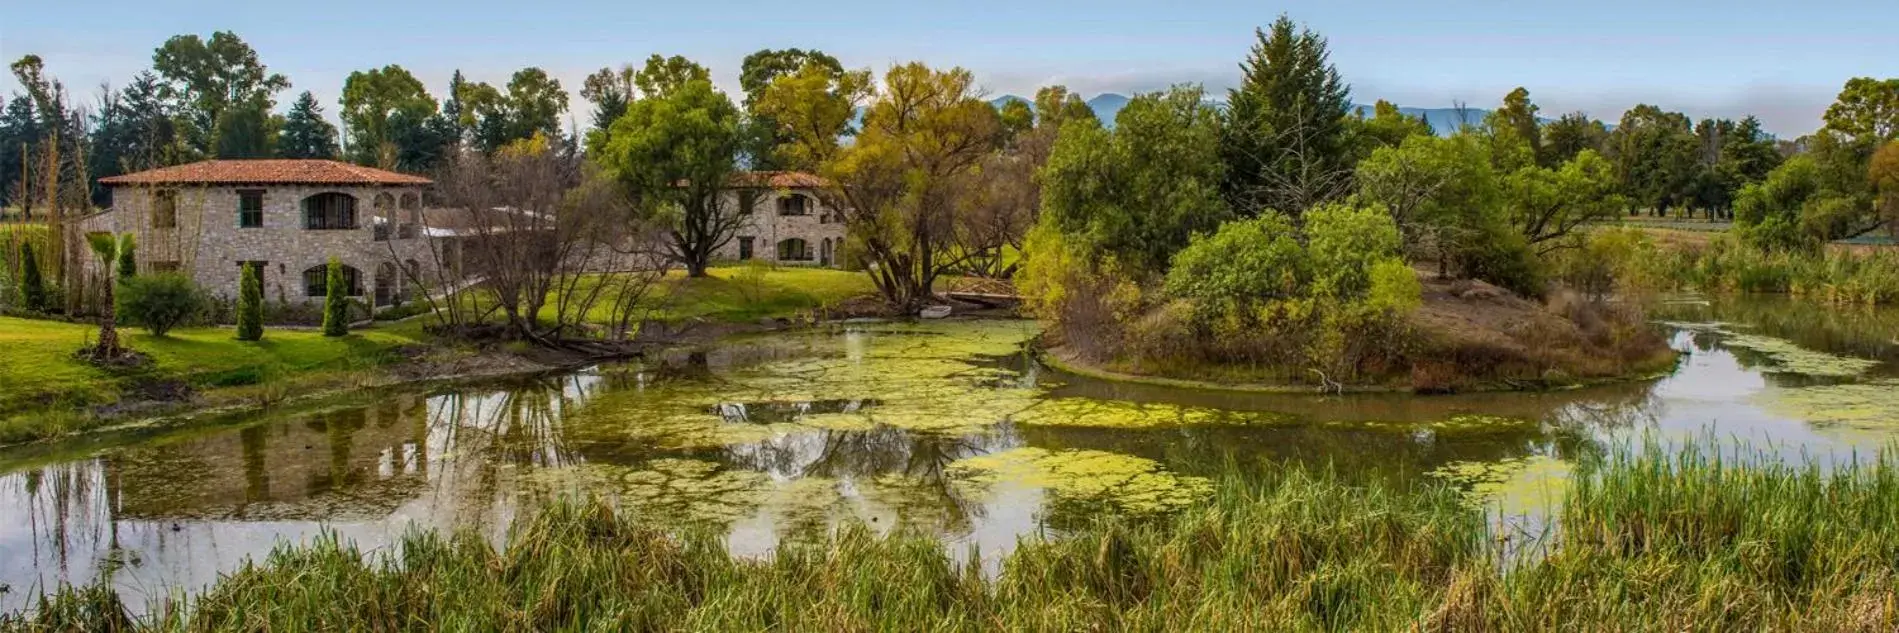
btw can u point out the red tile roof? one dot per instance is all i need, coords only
(266, 172)
(779, 180)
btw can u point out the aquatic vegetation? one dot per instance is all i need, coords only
(1514, 486)
(1786, 357)
(1862, 406)
(1647, 540)
(1123, 482)
(1461, 424)
(686, 490)
(1124, 414)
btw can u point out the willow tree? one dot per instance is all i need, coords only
(899, 186)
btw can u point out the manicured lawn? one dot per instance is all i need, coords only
(730, 294)
(39, 370)
(726, 294)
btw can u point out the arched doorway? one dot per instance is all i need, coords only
(388, 291)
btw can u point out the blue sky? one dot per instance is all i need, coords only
(1783, 61)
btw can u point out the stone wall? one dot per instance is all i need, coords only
(208, 244)
(820, 229)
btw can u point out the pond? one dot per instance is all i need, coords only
(945, 427)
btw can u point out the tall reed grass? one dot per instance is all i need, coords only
(1647, 540)
(1834, 276)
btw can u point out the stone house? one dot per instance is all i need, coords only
(789, 223)
(285, 217)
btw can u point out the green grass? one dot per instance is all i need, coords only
(730, 294)
(1648, 541)
(41, 375)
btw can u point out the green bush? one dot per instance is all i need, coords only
(128, 256)
(1502, 257)
(250, 305)
(1245, 261)
(32, 286)
(335, 301)
(159, 302)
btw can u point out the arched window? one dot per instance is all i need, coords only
(411, 216)
(385, 216)
(793, 250)
(329, 211)
(316, 281)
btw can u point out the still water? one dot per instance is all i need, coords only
(948, 428)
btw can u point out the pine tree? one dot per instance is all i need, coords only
(250, 305)
(128, 256)
(1286, 143)
(335, 301)
(32, 287)
(306, 133)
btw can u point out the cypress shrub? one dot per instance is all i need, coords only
(32, 287)
(335, 301)
(250, 305)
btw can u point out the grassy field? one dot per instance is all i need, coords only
(44, 382)
(1648, 541)
(742, 294)
(732, 294)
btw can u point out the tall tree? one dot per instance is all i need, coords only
(757, 74)
(1386, 127)
(534, 104)
(1517, 117)
(374, 103)
(1286, 145)
(662, 75)
(809, 111)
(761, 68)
(205, 79)
(896, 185)
(133, 130)
(1572, 133)
(248, 130)
(676, 154)
(610, 90)
(306, 134)
(1055, 106)
(1142, 190)
(1655, 154)
(1867, 111)
(1546, 205)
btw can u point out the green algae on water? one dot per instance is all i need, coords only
(1515, 485)
(1788, 358)
(1461, 424)
(1119, 414)
(1872, 406)
(1123, 482)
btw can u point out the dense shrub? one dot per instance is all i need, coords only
(1261, 293)
(250, 305)
(32, 286)
(160, 301)
(335, 301)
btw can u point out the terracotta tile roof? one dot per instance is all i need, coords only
(779, 180)
(266, 172)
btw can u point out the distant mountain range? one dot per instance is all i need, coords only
(1444, 121)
